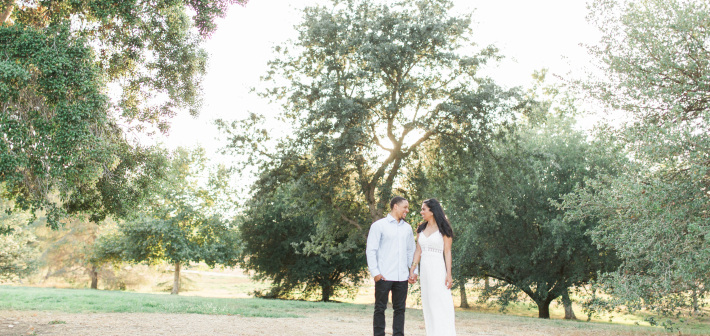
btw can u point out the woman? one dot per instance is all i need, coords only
(434, 238)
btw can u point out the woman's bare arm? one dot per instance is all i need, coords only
(447, 258)
(415, 261)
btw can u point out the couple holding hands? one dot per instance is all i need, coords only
(395, 261)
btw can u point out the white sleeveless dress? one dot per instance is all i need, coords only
(438, 305)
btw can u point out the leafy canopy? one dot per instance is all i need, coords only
(77, 80)
(510, 226)
(364, 86)
(656, 61)
(55, 130)
(183, 222)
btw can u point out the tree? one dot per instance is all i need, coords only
(276, 226)
(67, 253)
(52, 116)
(59, 131)
(150, 46)
(124, 189)
(364, 86)
(185, 222)
(509, 225)
(18, 251)
(656, 62)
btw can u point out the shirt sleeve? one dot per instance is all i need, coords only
(373, 244)
(411, 247)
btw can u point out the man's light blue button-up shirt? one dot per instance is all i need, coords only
(390, 249)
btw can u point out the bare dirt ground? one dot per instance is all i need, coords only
(55, 323)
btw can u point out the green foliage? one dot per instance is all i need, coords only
(60, 134)
(503, 205)
(279, 236)
(364, 86)
(150, 47)
(66, 252)
(53, 118)
(18, 251)
(655, 214)
(125, 188)
(655, 55)
(183, 222)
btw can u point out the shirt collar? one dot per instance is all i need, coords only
(390, 218)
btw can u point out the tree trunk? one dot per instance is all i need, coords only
(696, 306)
(543, 309)
(176, 279)
(567, 302)
(487, 286)
(464, 299)
(325, 293)
(5, 15)
(94, 277)
(372, 203)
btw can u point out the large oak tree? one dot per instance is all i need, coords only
(655, 57)
(61, 128)
(365, 86)
(503, 205)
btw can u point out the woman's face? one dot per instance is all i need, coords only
(426, 213)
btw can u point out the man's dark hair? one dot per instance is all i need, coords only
(396, 200)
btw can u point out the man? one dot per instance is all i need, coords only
(390, 251)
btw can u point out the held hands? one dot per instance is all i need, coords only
(412, 277)
(449, 281)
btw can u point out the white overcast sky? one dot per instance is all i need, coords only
(530, 34)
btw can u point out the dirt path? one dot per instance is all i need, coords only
(54, 323)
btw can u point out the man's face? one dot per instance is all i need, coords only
(401, 209)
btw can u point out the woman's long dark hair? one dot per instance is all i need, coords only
(441, 221)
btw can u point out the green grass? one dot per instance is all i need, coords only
(635, 323)
(101, 301)
(94, 301)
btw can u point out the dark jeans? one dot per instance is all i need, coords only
(399, 299)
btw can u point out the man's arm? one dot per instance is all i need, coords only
(414, 269)
(373, 244)
(411, 248)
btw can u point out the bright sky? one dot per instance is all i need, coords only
(530, 34)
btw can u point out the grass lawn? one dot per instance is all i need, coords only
(93, 301)
(15, 298)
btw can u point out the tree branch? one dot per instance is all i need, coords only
(390, 128)
(351, 221)
(393, 115)
(393, 172)
(7, 12)
(379, 144)
(414, 146)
